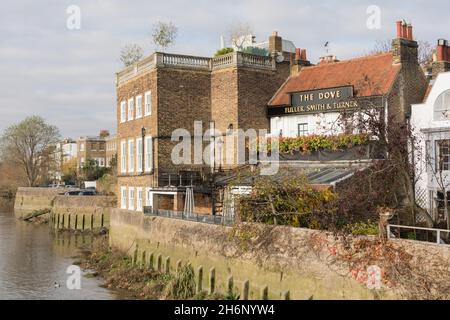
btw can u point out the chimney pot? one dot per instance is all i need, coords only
(410, 35)
(399, 29)
(303, 54)
(404, 31)
(297, 54)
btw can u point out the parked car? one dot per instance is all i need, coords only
(80, 193)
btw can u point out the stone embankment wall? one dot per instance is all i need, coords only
(82, 212)
(66, 212)
(281, 261)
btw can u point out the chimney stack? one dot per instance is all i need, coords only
(442, 63)
(299, 62)
(404, 48)
(275, 43)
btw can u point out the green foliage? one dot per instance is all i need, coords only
(92, 171)
(182, 286)
(131, 54)
(311, 143)
(164, 34)
(223, 51)
(291, 201)
(364, 228)
(233, 295)
(256, 51)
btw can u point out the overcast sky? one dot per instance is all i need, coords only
(67, 76)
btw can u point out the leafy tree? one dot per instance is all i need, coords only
(69, 171)
(239, 34)
(130, 54)
(164, 34)
(27, 145)
(92, 171)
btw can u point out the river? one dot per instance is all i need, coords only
(34, 262)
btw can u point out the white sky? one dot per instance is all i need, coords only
(67, 76)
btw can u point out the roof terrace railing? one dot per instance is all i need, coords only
(159, 59)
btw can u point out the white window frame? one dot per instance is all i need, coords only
(123, 156)
(148, 103)
(131, 198)
(123, 111)
(148, 195)
(139, 199)
(138, 107)
(130, 109)
(123, 197)
(139, 154)
(131, 152)
(148, 153)
(82, 146)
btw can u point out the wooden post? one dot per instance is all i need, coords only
(245, 290)
(76, 222)
(57, 224)
(63, 221)
(102, 220)
(150, 261)
(230, 285)
(178, 266)
(135, 255)
(159, 263)
(212, 280)
(92, 222)
(265, 293)
(83, 222)
(200, 279)
(286, 295)
(68, 221)
(168, 265)
(143, 257)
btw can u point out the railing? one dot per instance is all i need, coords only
(253, 60)
(183, 61)
(210, 219)
(178, 60)
(438, 236)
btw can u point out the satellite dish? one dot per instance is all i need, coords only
(279, 58)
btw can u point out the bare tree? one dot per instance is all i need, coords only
(238, 35)
(130, 54)
(425, 52)
(27, 144)
(164, 35)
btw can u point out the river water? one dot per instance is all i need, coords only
(34, 262)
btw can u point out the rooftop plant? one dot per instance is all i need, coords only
(223, 51)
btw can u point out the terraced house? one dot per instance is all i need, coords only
(165, 92)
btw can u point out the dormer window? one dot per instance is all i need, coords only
(442, 107)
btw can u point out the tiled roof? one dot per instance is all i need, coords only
(371, 75)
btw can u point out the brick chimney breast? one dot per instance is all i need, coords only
(442, 63)
(275, 43)
(404, 48)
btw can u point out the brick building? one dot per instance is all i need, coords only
(165, 92)
(319, 99)
(92, 147)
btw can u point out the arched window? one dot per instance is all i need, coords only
(442, 107)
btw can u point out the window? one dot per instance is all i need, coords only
(148, 154)
(93, 146)
(148, 103)
(442, 107)
(138, 107)
(139, 154)
(102, 146)
(82, 162)
(302, 129)
(130, 198)
(130, 109)
(123, 197)
(82, 146)
(148, 197)
(140, 199)
(123, 156)
(131, 156)
(443, 157)
(123, 111)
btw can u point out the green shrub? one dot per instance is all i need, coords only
(221, 52)
(364, 228)
(182, 286)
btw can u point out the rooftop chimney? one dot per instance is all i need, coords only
(300, 61)
(275, 43)
(328, 59)
(104, 133)
(442, 63)
(404, 48)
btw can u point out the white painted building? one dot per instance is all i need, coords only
(430, 121)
